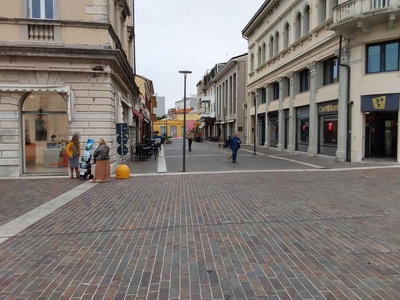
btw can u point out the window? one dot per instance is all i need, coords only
(259, 55)
(298, 26)
(331, 73)
(252, 62)
(263, 95)
(322, 11)
(264, 49)
(383, 57)
(380, 3)
(286, 36)
(306, 20)
(41, 9)
(276, 44)
(276, 91)
(271, 47)
(304, 81)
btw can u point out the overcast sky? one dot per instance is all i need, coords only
(190, 35)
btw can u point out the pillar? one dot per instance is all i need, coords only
(281, 118)
(292, 116)
(313, 134)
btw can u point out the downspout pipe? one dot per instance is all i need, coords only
(349, 103)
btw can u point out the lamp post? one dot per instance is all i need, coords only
(185, 73)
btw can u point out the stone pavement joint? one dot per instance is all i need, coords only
(234, 232)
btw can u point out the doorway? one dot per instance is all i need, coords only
(381, 134)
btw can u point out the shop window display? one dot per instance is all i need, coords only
(328, 134)
(45, 133)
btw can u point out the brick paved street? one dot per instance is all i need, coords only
(302, 230)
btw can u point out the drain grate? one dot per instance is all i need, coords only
(385, 263)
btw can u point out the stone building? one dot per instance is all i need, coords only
(324, 78)
(65, 66)
(230, 98)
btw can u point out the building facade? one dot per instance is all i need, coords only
(65, 66)
(309, 82)
(206, 93)
(160, 111)
(147, 102)
(230, 98)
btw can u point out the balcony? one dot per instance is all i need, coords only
(206, 113)
(361, 14)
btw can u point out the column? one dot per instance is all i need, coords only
(255, 120)
(267, 133)
(313, 133)
(248, 118)
(281, 118)
(342, 107)
(292, 116)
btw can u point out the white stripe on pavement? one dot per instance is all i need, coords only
(19, 224)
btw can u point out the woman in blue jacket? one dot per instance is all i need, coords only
(235, 145)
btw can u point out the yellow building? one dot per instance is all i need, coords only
(175, 127)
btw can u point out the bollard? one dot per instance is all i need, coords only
(122, 172)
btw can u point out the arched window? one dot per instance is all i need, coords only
(264, 49)
(45, 132)
(321, 11)
(306, 20)
(271, 47)
(297, 26)
(276, 48)
(259, 56)
(286, 35)
(329, 9)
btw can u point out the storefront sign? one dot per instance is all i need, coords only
(388, 102)
(328, 108)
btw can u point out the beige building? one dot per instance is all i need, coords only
(65, 66)
(324, 77)
(230, 97)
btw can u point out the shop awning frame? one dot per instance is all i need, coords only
(64, 90)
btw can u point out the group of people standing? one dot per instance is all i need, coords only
(101, 158)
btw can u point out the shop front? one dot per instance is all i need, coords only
(273, 129)
(328, 127)
(44, 133)
(302, 128)
(381, 124)
(261, 129)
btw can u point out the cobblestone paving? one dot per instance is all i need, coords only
(22, 195)
(277, 235)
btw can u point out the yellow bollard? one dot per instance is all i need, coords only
(122, 172)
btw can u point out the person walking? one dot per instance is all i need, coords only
(190, 137)
(73, 151)
(234, 144)
(102, 157)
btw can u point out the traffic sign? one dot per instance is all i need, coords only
(122, 128)
(122, 139)
(122, 150)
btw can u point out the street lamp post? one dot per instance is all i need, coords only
(184, 72)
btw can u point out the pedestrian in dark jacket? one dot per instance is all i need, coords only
(235, 145)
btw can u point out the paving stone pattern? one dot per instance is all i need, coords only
(22, 195)
(292, 235)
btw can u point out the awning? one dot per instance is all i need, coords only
(137, 114)
(65, 91)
